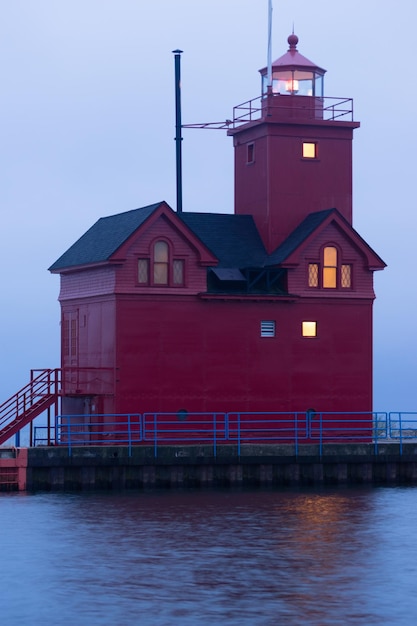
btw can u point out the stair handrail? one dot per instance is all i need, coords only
(42, 385)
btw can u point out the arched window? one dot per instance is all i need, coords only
(160, 263)
(161, 267)
(330, 267)
(330, 273)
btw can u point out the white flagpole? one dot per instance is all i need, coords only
(269, 43)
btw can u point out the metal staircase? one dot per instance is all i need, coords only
(36, 397)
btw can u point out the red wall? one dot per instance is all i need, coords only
(88, 298)
(146, 349)
(209, 356)
(280, 188)
(89, 363)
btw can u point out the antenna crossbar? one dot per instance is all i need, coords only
(211, 125)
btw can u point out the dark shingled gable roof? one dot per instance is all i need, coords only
(296, 238)
(233, 239)
(103, 238)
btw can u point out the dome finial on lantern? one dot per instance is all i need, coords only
(292, 40)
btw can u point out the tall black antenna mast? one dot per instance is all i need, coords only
(178, 127)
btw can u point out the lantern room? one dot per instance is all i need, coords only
(293, 74)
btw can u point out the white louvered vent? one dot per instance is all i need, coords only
(267, 328)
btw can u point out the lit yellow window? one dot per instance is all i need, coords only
(309, 329)
(309, 150)
(330, 267)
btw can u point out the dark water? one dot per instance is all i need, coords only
(259, 558)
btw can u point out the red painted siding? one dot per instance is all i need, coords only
(280, 188)
(160, 350)
(208, 355)
(89, 361)
(87, 283)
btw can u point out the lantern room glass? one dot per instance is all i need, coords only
(295, 83)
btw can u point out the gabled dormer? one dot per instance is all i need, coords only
(144, 250)
(326, 257)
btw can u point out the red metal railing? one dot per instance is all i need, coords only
(328, 109)
(298, 107)
(87, 380)
(33, 399)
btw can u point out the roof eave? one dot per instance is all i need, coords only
(79, 268)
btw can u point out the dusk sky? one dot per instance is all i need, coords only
(87, 129)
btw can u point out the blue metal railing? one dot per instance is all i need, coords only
(233, 428)
(91, 430)
(184, 428)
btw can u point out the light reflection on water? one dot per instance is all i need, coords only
(255, 557)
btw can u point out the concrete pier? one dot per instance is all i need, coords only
(13, 469)
(116, 468)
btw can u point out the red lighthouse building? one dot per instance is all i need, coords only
(268, 309)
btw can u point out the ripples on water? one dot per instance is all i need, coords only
(325, 557)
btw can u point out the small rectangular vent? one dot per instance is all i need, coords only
(268, 328)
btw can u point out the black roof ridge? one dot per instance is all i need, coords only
(301, 232)
(103, 238)
(212, 214)
(235, 244)
(154, 205)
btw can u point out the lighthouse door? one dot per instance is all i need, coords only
(70, 350)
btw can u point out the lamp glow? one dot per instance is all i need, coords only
(291, 86)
